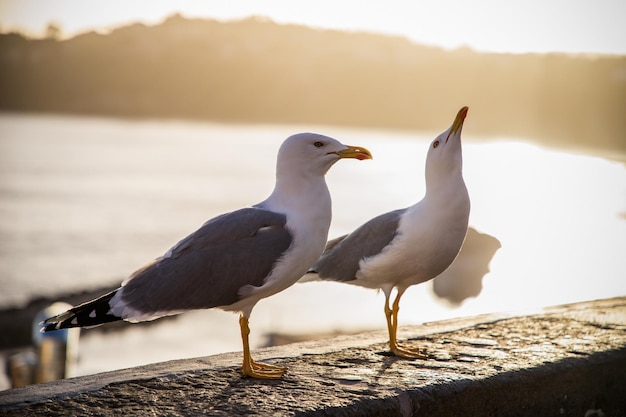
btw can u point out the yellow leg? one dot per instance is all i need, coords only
(250, 367)
(391, 313)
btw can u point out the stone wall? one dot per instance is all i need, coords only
(566, 361)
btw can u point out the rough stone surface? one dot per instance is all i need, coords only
(566, 361)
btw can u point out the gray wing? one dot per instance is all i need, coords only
(340, 260)
(332, 243)
(209, 267)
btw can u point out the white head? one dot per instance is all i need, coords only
(312, 155)
(445, 157)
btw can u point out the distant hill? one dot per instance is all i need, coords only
(255, 70)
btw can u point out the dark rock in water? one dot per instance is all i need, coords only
(17, 322)
(464, 278)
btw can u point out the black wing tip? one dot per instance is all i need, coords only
(76, 320)
(48, 327)
(52, 323)
(58, 322)
(89, 314)
(53, 319)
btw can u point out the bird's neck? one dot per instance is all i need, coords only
(307, 205)
(447, 191)
(301, 196)
(444, 180)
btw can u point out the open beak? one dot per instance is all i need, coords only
(458, 121)
(357, 152)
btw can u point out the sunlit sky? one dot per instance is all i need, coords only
(575, 26)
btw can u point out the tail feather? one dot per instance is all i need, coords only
(89, 314)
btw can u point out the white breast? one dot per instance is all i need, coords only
(430, 236)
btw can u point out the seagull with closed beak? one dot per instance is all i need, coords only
(236, 259)
(408, 246)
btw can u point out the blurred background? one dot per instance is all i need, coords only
(124, 126)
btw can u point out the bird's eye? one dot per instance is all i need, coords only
(435, 144)
(318, 144)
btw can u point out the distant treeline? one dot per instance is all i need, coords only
(254, 70)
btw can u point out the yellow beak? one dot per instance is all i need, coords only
(357, 152)
(460, 118)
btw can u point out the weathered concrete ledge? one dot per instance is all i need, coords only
(568, 360)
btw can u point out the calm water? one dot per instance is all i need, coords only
(85, 201)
